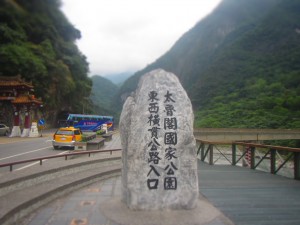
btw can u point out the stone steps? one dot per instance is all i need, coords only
(22, 192)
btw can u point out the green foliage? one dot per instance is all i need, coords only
(37, 42)
(240, 65)
(100, 132)
(102, 96)
(267, 59)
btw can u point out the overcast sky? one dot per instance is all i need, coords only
(125, 35)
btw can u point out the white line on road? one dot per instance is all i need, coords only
(24, 153)
(32, 164)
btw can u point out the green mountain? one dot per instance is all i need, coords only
(38, 43)
(239, 65)
(118, 78)
(102, 94)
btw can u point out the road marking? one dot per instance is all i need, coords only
(24, 153)
(24, 167)
(32, 164)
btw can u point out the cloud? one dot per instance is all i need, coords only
(126, 35)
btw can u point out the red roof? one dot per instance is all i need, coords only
(6, 98)
(15, 81)
(27, 99)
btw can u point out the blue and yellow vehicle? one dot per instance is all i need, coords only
(90, 122)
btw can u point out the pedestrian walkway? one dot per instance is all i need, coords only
(251, 197)
(87, 207)
(79, 208)
(245, 196)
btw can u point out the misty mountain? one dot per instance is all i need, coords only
(239, 65)
(103, 91)
(119, 78)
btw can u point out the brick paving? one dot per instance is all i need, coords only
(79, 208)
(245, 196)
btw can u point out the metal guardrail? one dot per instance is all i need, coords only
(11, 164)
(206, 151)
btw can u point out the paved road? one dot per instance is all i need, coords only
(16, 149)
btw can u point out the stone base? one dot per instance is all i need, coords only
(80, 146)
(16, 131)
(25, 132)
(205, 213)
(34, 132)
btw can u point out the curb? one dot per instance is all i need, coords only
(24, 195)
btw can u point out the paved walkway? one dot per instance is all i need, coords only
(251, 197)
(81, 207)
(245, 196)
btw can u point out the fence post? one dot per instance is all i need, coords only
(252, 149)
(273, 161)
(297, 165)
(199, 148)
(233, 154)
(211, 154)
(202, 152)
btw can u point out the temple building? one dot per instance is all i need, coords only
(18, 105)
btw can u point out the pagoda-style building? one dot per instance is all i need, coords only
(18, 105)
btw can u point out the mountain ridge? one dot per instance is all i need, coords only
(230, 57)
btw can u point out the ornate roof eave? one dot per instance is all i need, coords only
(7, 98)
(26, 99)
(14, 81)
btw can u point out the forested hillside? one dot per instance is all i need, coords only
(255, 80)
(102, 94)
(38, 42)
(240, 65)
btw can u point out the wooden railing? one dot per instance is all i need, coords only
(233, 134)
(206, 151)
(40, 159)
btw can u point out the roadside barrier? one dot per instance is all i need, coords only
(40, 159)
(206, 151)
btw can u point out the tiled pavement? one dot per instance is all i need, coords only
(247, 197)
(81, 207)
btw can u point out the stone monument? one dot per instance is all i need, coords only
(159, 150)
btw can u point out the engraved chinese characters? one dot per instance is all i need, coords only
(170, 139)
(159, 152)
